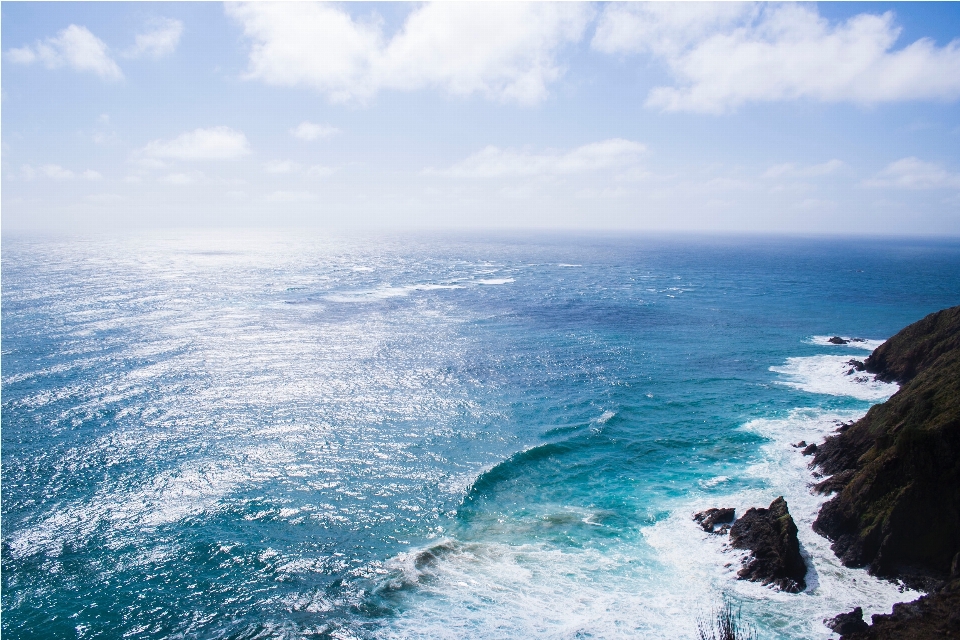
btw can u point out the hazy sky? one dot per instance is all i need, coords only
(815, 118)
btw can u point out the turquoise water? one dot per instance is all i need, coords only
(238, 435)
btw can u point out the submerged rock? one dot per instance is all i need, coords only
(771, 535)
(711, 517)
(847, 622)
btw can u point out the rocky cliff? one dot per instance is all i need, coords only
(897, 470)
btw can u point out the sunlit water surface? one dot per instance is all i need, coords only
(239, 435)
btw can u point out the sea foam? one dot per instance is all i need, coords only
(653, 585)
(833, 375)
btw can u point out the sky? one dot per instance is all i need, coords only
(810, 118)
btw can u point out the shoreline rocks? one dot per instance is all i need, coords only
(845, 623)
(931, 617)
(771, 536)
(896, 471)
(711, 517)
(896, 476)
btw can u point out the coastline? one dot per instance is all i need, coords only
(894, 472)
(886, 482)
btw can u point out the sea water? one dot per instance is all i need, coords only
(268, 435)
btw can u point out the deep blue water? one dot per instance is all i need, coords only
(241, 435)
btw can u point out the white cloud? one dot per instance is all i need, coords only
(791, 170)
(319, 171)
(161, 40)
(73, 47)
(606, 193)
(290, 196)
(191, 177)
(290, 167)
(281, 166)
(504, 51)
(309, 131)
(104, 198)
(914, 173)
(664, 28)
(216, 143)
(54, 171)
(493, 162)
(105, 137)
(778, 52)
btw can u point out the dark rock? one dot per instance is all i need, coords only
(711, 517)
(855, 366)
(896, 471)
(799, 445)
(837, 340)
(834, 483)
(847, 622)
(932, 616)
(809, 450)
(916, 347)
(771, 535)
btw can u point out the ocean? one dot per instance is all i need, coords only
(276, 435)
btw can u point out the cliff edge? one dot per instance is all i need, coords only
(897, 470)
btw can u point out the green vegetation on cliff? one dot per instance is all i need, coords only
(898, 468)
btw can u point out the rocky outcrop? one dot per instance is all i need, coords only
(896, 472)
(856, 365)
(916, 348)
(710, 518)
(931, 617)
(847, 622)
(771, 535)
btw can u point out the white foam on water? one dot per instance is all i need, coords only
(712, 482)
(191, 490)
(479, 590)
(493, 281)
(785, 472)
(652, 586)
(852, 342)
(605, 417)
(833, 375)
(386, 292)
